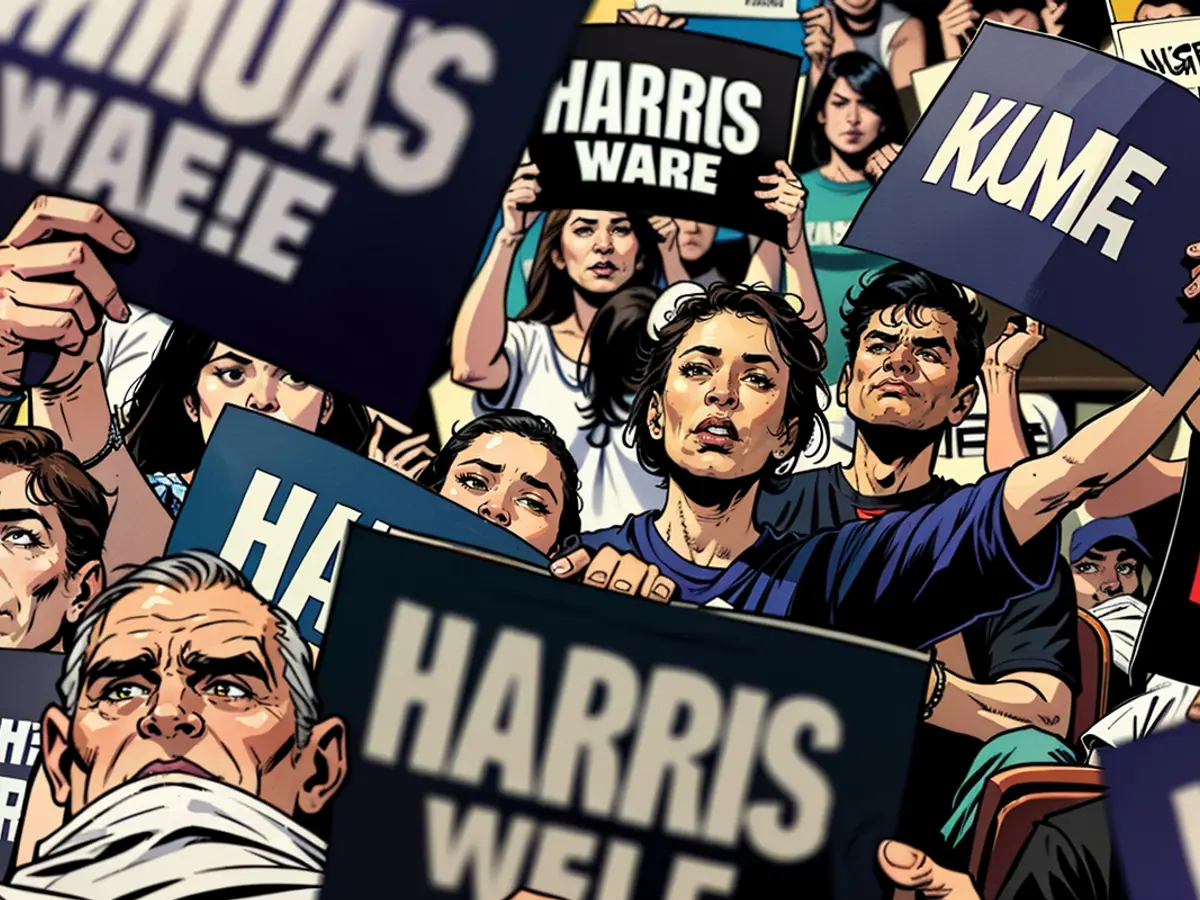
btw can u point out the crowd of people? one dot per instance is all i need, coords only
(653, 407)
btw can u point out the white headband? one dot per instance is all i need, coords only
(665, 307)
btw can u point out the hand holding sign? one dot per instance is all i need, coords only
(411, 454)
(1052, 16)
(67, 317)
(651, 16)
(786, 196)
(520, 194)
(818, 40)
(910, 869)
(878, 162)
(957, 24)
(623, 573)
(1016, 342)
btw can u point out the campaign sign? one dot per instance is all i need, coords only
(28, 678)
(1170, 47)
(1166, 643)
(1154, 813)
(274, 500)
(1062, 186)
(664, 122)
(525, 732)
(289, 169)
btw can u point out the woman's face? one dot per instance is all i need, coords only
(513, 482)
(852, 126)
(230, 377)
(695, 239)
(598, 250)
(721, 413)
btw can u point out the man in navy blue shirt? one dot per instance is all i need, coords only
(731, 392)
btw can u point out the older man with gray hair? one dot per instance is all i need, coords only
(187, 754)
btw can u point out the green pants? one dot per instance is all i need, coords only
(1020, 747)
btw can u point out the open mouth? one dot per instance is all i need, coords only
(717, 433)
(604, 269)
(178, 766)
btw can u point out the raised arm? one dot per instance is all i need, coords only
(477, 356)
(908, 52)
(792, 265)
(1002, 364)
(71, 400)
(986, 710)
(1040, 490)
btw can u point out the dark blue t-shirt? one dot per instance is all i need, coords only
(908, 578)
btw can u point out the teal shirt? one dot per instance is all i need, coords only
(828, 211)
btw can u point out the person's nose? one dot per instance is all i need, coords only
(168, 717)
(853, 114)
(493, 510)
(264, 395)
(722, 392)
(900, 361)
(687, 226)
(1111, 585)
(603, 242)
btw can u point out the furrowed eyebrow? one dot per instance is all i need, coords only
(144, 665)
(490, 466)
(246, 665)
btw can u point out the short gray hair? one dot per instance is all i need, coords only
(190, 572)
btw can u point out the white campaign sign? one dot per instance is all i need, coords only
(1169, 47)
(736, 9)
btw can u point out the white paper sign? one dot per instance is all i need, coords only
(1169, 47)
(928, 81)
(737, 9)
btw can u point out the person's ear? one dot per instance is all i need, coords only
(654, 417)
(556, 259)
(322, 764)
(820, 117)
(57, 754)
(326, 407)
(843, 386)
(87, 584)
(964, 400)
(189, 407)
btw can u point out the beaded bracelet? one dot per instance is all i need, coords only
(939, 688)
(114, 441)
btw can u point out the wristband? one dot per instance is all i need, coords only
(939, 688)
(112, 444)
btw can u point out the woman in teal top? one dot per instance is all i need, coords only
(853, 112)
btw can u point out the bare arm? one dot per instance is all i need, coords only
(908, 52)
(140, 526)
(477, 357)
(986, 710)
(1150, 481)
(1038, 491)
(1002, 364)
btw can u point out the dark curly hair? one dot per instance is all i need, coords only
(523, 424)
(803, 356)
(904, 286)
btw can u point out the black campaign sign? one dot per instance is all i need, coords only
(512, 730)
(668, 123)
(27, 687)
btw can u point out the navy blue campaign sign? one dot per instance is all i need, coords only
(523, 731)
(1154, 813)
(1060, 181)
(308, 180)
(28, 679)
(275, 501)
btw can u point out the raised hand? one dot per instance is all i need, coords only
(818, 39)
(1014, 344)
(668, 233)
(68, 315)
(957, 24)
(1052, 16)
(651, 16)
(786, 196)
(909, 868)
(522, 191)
(410, 456)
(879, 161)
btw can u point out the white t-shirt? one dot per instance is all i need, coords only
(542, 380)
(1164, 705)
(127, 350)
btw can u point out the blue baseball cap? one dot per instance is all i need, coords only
(1097, 531)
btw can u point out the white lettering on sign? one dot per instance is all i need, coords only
(280, 542)
(20, 743)
(1089, 205)
(357, 84)
(671, 754)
